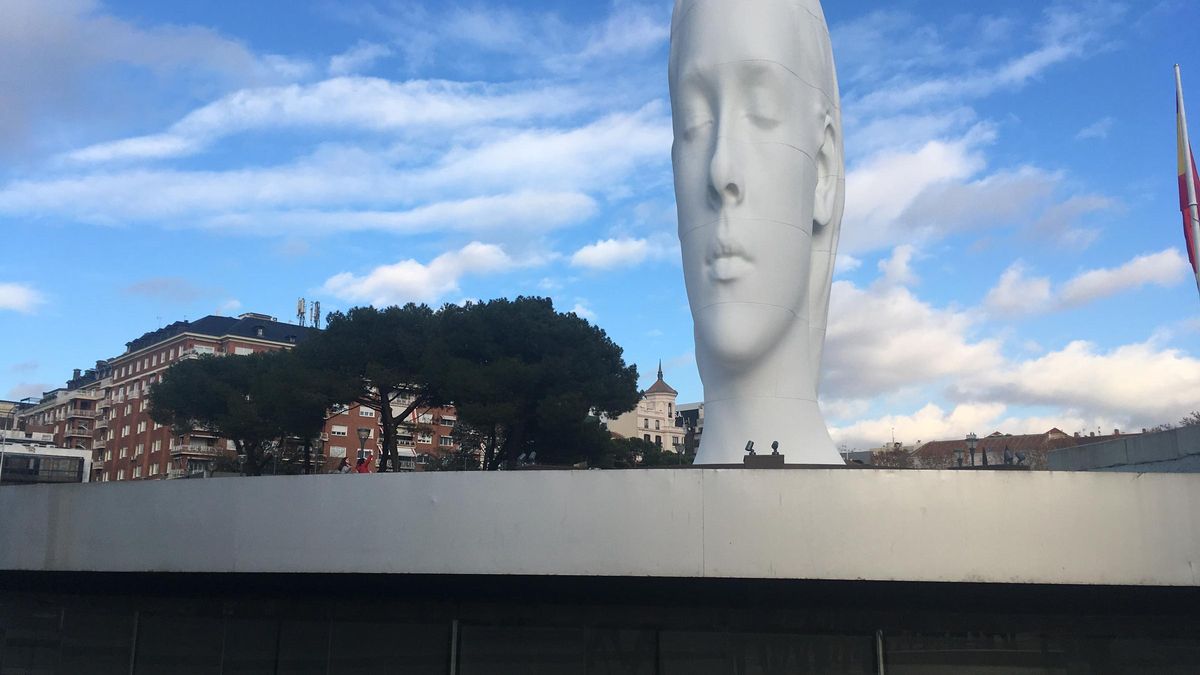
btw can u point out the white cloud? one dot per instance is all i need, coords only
(884, 338)
(1063, 35)
(412, 281)
(1017, 293)
(1060, 222)
(20, 297)
(28, 390)
(845, 263)
(349, 103)
(929, 423)
(1165, 268)
(880, 189)
(528, 180)
(897, 270)
(50, 50)
(359, 57)
(229, 306)
(1140, 384)
(611, 253)
(1098, 129)
(583, 311)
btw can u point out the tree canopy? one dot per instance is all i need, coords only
(381, 359)
(531, 376)
(257, 401)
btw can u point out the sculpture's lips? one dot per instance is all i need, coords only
(728, 261)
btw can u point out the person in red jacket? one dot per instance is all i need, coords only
(364, 465)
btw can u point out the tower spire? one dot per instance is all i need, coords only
(660, 369)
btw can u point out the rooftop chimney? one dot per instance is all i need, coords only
(75, 375)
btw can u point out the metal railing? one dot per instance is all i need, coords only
(196, 449)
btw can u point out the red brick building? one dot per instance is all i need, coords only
(106, 409)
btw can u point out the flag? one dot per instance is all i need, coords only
(1189, 182)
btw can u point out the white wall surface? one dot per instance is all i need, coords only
(966, 526)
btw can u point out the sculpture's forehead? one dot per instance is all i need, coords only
(713, 32)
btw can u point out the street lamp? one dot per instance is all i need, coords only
(972, 439)
(363, 434)
(958, 457)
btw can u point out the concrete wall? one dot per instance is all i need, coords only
(1173, 451)
(960, 526)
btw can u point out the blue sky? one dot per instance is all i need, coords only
(1011, 254)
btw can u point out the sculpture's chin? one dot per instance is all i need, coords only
(738, 334)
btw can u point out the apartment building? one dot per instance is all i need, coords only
(105, 409)
(425, 434)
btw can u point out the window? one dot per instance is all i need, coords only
(153, 469)
(448, 420)
(656, 423)
(143, 406)
(366, 412)
(363, 453)
(124, 452)
(204, 349)
(425, 418)
(670, 410)
(154, 360)
(646, 437)
(243, 351)
(425, 438)
(108, 455)
(338, 430)
(658, 441)
(137, 472)
(128, 408)
(120, 474)
(404, 438)
(137, 450)
(124, 431)
(141, 428)
(156, 446)
(645, 424)
(171, 354)
(337, 452)
(170, 442)
(446, 441)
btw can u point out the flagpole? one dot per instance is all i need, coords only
(1189, 173)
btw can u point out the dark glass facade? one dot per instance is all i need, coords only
(213, 624)
(23, 469)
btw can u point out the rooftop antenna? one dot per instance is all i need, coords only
(316, 314)
(301, 310)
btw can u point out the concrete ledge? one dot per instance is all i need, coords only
(818, 524)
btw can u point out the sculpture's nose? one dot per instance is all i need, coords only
(725, 186)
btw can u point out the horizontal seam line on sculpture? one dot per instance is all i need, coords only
(754, 220)
(746, 302)
(836, 105)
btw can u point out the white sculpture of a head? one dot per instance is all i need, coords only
(759, 184)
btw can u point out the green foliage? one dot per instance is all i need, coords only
(257, 401)
(376, 357)
(534, 376)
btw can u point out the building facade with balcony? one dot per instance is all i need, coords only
(425, 434)
(105, 410)
(655, 419)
